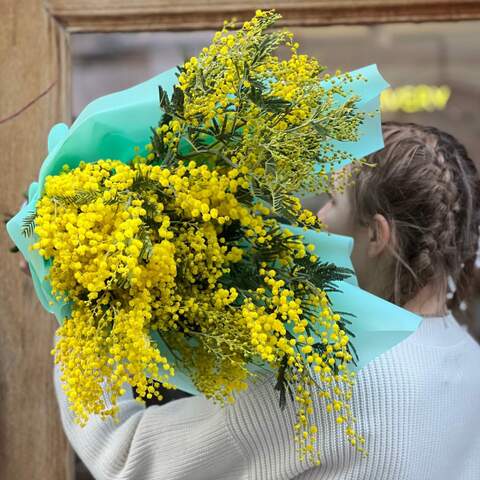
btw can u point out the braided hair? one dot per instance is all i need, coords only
(427, 187)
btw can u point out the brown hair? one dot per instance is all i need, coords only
(426, 186)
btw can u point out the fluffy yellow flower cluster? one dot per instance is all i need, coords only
(279, 109)
(153, 249)
(191, 243)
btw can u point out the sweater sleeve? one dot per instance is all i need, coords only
(182, 439)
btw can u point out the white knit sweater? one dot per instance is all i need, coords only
(417, 406)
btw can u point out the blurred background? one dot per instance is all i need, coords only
(433, 70)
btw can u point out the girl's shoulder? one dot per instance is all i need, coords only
(443, 332)
(440, 352)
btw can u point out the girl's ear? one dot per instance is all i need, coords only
(379, 233)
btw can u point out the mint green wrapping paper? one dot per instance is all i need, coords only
(370, 135)
(112, 125)
(377, 325)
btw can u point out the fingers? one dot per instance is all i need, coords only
(24, 266)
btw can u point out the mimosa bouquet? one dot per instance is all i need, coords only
(191, 262)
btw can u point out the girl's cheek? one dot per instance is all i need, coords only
(331, 216)
(323, 213)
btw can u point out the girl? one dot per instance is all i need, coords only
(414, 219)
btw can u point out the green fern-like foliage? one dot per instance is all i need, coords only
(28, 225)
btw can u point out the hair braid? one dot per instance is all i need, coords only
(466, 209)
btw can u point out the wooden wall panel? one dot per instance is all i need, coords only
(143, 15)
(34, 94)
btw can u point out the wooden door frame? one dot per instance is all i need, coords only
(35, 87)
(154, 15)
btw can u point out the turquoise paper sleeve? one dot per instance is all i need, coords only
(370, 132)
(376, 325)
